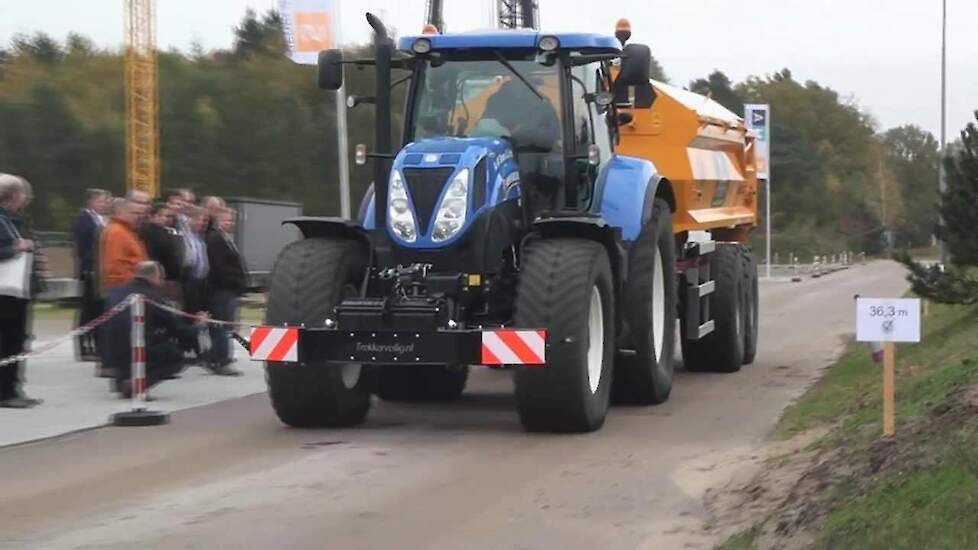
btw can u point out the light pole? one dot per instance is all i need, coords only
(941, 182)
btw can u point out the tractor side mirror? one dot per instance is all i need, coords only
(330, 69)
(636, 65)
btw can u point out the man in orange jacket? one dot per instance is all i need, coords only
(121, 248)
(120, 252)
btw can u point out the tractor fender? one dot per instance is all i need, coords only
(593, 228)
(313, 227)
(625, 191)
(340, 228)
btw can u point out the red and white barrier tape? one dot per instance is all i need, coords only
(84, 329)
(244, 342)
(186, 315)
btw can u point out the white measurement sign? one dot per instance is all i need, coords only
(888, 320)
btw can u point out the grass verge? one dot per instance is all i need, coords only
(918, 489)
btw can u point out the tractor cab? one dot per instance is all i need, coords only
(500, 126)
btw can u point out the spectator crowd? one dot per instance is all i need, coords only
(175, 252)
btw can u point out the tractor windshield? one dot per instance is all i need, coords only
(486, 98)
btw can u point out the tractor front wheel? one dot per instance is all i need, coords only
(310, 277)
(566, 288)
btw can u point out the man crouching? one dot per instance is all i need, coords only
(167, 336)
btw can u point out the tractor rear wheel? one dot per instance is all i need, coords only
(645, 376)
(421, 382)
(566, 288)
(752, 305)
(723, 349)
(310, 277)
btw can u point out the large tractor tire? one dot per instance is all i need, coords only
(645, 376)
(566, 288)
(752, 303)
(421, 382)
(723, 349)
(309, 278)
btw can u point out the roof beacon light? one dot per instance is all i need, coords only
(549, 43)
(421, 46)
(623, 30)
(429, 29)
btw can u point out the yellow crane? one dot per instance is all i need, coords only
(142, 98)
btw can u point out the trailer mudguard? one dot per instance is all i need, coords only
(624, 193)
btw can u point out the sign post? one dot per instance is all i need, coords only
(888, 320)
(312, 26)
(758, 119)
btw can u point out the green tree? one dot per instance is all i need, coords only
(957, 283)
(822, 160)
(256, 35)
(719, 88)
(912, 156)
(959, 204)
(656, 72)
(41, 47)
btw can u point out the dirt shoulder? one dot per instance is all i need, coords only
(832, 481)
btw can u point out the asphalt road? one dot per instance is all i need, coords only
(464, 475)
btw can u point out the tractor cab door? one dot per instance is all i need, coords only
(588, 125)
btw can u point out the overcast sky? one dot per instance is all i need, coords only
(885, 54)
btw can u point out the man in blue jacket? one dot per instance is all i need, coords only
(85, 231)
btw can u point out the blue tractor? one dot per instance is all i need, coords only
(505, 232)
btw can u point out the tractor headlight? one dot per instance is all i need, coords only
(453, 208)
(399, 215)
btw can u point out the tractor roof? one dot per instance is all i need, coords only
(519, 38)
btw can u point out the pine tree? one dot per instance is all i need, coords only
(957, 283)
(959, 205)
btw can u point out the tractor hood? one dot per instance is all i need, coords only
(439, 186)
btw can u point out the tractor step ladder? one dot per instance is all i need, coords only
(699, 287)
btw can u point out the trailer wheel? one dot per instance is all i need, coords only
(752, 303)
(309, 278)
(421, 382)
(723, 349)
(645, 377)
(566, 287)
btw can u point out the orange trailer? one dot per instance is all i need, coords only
(706, 153)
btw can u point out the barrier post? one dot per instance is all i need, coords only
(138, 415)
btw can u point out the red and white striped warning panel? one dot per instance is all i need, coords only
(274, 344)
(514, 347)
